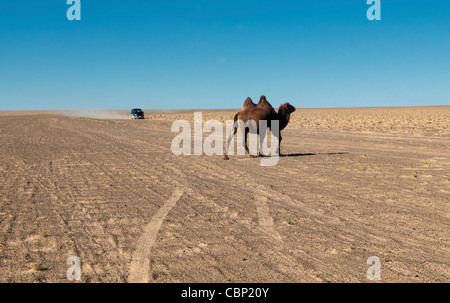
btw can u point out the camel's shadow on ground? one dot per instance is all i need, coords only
(311, 154)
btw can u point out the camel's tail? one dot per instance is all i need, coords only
(235, 126)
(235, 119)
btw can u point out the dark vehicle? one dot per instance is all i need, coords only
(137, 113)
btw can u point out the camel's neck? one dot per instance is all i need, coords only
(284, 118)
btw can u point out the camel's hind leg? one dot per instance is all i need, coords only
(279, 144)
(225, 156)
(246, 141)
(247, 150)
(235, 129)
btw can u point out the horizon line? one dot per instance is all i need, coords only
(221, 109)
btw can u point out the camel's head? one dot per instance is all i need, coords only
(289, 108)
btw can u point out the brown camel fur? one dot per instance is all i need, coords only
(261, 111)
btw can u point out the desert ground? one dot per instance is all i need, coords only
(351, 183)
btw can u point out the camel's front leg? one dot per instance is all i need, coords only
(278, 150)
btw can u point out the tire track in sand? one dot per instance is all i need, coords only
(265, 219)
(285, 259)
(139, 267)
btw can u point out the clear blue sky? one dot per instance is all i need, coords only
(213, 54)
